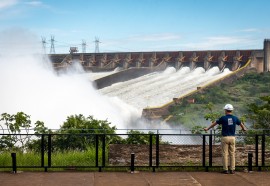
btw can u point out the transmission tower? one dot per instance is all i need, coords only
(97, 45)
(44, 44)
(52, 51)
(83, 46)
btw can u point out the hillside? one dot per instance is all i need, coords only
(240, 93)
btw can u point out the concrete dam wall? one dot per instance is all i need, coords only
(232, 59)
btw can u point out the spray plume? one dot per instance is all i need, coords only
(29, 84)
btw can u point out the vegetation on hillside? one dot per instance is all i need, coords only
(241, 93)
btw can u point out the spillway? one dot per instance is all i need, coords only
(158, 88)
(96, 75)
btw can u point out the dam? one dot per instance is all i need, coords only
(152, 81)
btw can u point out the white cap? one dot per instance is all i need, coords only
(228, 107)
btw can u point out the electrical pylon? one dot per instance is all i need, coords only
(52, 51)
(44, 44)
(97, 45)
(83, 46)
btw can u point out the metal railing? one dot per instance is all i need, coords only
(150, 151)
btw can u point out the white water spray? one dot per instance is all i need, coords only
(29, 84)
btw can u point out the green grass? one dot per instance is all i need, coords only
(69, 158)
(23, 159)
(75, 158)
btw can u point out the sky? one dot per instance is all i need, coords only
(140, 25)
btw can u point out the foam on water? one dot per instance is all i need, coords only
(157, 89)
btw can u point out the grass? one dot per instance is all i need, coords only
(71, 158)
(23, 159)
(75, 158)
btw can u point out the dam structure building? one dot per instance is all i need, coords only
(136, 64)
(232, 59)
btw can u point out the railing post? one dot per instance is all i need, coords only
(257, 150)
(96, 140)
(42, 150)
(250, 155)
(210, 150)
(203, 151)
(157, 150)
(132, 163)
(263, 150)
(103, 150)
(150, 149)
(14, 162)
(49, 150)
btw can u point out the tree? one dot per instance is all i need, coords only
(260, 114)
(39, 129)
(137, 137)
(212, 116)
(78, 133)
(12, 125)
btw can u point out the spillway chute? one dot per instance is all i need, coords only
(156, 89)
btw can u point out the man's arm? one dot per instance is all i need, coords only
(243, 127)
(211, 126)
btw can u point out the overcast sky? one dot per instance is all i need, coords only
(142, 25)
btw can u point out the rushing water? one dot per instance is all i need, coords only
(158, 88)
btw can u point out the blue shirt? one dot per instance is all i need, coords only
(228, 123)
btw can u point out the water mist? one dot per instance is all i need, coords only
(29, 84)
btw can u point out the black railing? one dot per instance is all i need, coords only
(102, 151)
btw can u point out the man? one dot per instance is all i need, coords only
(228, 123)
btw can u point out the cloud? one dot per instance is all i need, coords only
(250, 30)
(9, 9)
(13, 9)
(140, 42)
(4, 4)
(220, 42)
(77, 31)
(34, 3)
(155, 37)
(7, 3)
(224, 40)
